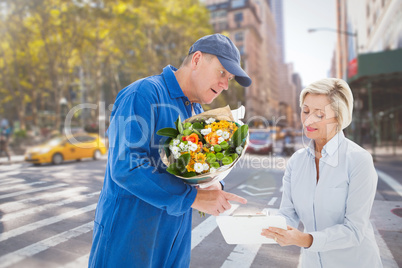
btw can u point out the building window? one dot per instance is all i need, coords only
(238, 17)
(239, 36)
(241, 50)
(238, 3)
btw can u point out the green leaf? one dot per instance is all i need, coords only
(239, 135)
(166, 147)
(197, 126)
(179, 125)
(182, 162)
(189, 174)
(172, 169)
(168, 132)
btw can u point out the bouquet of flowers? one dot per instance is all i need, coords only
(204, 148)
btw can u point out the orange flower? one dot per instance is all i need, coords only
(193, 138)
(212, 138)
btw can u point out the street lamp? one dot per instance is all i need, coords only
(332, 30)
(63, 103)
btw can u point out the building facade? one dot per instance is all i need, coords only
(251, 26)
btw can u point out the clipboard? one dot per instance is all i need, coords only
(246, 229)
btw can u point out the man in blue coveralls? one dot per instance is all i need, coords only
(143, 217)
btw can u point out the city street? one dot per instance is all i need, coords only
(46, 215)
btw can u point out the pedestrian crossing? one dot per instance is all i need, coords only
(40, 216)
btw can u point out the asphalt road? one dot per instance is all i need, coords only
(46, 215)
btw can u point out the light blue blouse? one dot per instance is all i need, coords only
(336, 210)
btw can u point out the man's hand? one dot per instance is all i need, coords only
(216, 186)
(215, 201)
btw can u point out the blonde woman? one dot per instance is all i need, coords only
(329, 186)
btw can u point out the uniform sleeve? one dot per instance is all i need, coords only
(287, 208)
(361, 193)
(131, 133)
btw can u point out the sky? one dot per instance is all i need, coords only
(310, 53)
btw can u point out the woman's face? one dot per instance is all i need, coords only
(318, 118)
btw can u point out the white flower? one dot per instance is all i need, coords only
(225, 135)
(205, 167)
(239, 149)
(220, 139)
(176, 156)
(175, 150)
(206, 131)
(212, 170)
(210, 121)
(189, 143)
(219, 132)
(198, 167)
(212, 148)
(193, 147)
(176, 142)
(182, 146)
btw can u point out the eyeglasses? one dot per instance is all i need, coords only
(224, 74)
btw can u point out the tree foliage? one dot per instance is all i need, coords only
(86, 50)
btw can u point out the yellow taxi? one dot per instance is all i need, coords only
(64, 148)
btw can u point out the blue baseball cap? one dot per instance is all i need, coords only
(226, 52)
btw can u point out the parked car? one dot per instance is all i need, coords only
(260, 142)
(63, 148)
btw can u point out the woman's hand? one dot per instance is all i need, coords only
(288, 237)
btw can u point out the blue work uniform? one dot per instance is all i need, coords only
(143, 217)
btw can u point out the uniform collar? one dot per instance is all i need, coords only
(330, 148)
(173, 86)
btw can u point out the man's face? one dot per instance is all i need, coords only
(210, 78)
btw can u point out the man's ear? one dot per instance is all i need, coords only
(196, 59)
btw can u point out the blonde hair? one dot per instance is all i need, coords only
(339, 95)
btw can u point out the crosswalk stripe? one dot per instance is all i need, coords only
(206, 227)
(242, 256)
(9, 173)
(81, 262)
(9, 181)
(390, 181)
(39, 224)
(29, 211)
(22, 204)
(25, 185)
(32, 190)
(202, 230)
(21, 254)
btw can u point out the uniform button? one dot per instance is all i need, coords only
(187, 103)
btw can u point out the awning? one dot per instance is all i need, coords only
(385, 66)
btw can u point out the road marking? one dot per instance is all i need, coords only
(257, 194)
(22, 185)
(32, 190)
(39, 224)
(390, 181)
(272, 201)
(206, 227)
(29, 211)
(21, 204)
(80, 262)
(10, 173)
(254, 188)
(242, 256)
(8, 181)
(21, 254)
